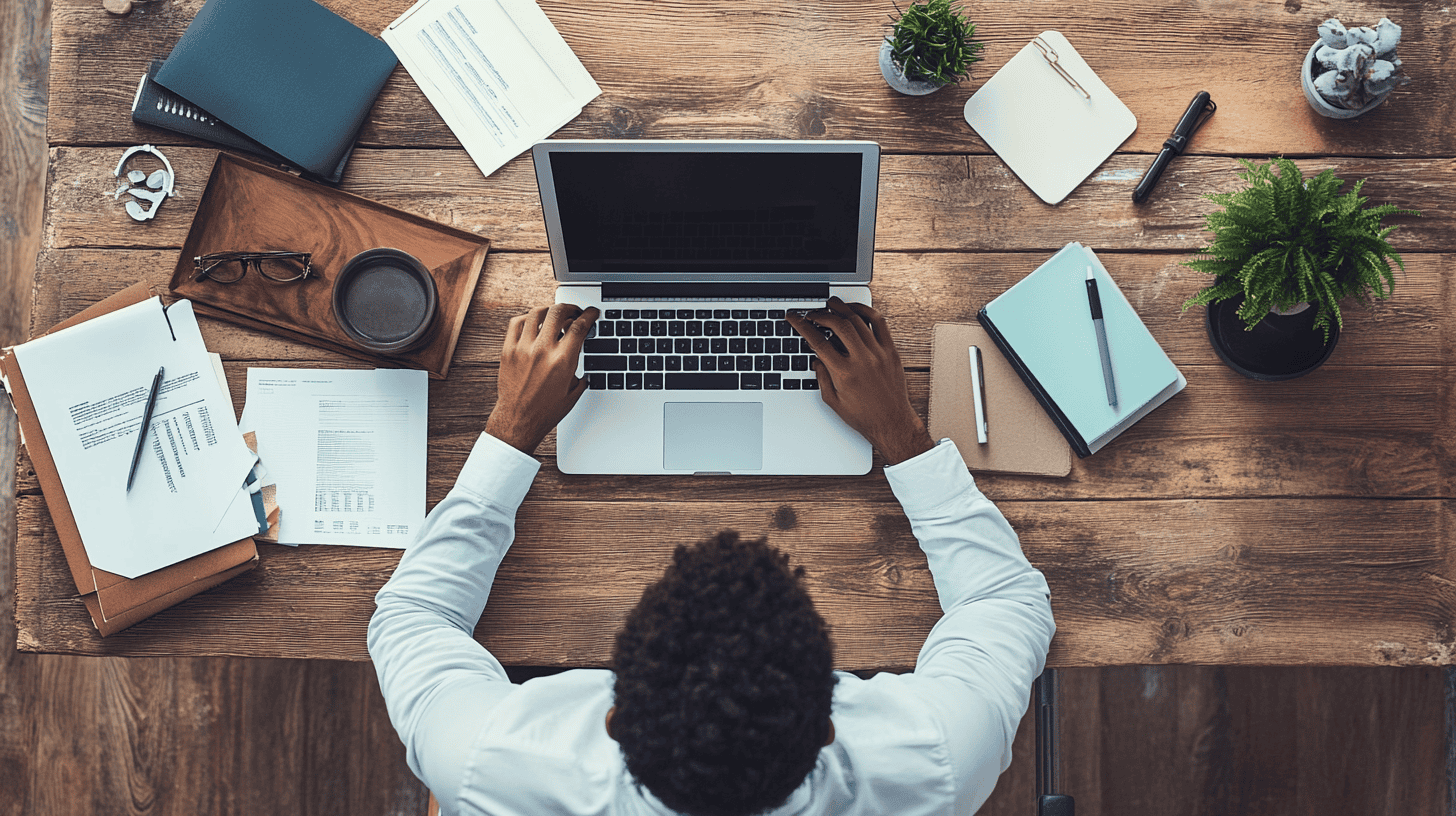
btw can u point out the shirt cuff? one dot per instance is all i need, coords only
(927, 481)
(498, 472)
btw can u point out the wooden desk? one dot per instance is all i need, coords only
(1307, 522)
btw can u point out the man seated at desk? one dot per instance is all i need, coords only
(723, 700)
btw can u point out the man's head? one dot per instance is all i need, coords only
(724, 680)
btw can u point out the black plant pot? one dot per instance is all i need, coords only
(1279, 347)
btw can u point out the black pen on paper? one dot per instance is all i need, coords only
(1095, 302)
(136, 455)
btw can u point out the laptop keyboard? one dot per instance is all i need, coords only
(698, 350)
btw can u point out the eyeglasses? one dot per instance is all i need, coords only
(1051, 57)
(230, 267)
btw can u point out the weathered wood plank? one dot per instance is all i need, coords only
(1416, 327)
(1253, 741)
(926, 203)
(1340, 432)
(22, 158)
(1292, 581)
(163, 737)
(808, 71)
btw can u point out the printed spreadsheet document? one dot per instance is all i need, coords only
(497, 71)
(346, 449)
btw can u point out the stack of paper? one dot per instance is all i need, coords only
(89, 385)
(497, 71)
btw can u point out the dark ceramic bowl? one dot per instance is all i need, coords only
(385, 300)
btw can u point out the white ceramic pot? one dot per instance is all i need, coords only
(896, 77)
(1321, 105)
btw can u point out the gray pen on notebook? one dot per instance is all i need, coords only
(1094, 301)
(978, 387)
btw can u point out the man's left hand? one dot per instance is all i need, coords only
(538, 385)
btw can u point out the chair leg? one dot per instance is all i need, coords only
(1048, 750)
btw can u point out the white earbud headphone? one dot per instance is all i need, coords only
(159, 184)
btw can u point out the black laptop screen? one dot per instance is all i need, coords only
(696, 212)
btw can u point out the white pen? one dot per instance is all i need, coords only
(1096, 303)
(978, 387)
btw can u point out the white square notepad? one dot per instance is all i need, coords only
(1049, 134)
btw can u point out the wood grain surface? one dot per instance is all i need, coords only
(1302, 523)
(234, 736)
(736, 69)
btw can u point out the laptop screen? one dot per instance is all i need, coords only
(710, 211)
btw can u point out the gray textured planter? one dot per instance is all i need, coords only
(1319, 103)
(896, 77)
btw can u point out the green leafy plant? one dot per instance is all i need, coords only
(1285, 240)
(933, 42)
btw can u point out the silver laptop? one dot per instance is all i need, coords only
(695, 251)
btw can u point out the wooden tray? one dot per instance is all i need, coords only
(253, 208)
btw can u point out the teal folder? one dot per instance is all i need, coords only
(289, 74)
(1043, 325)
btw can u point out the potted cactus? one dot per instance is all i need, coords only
(1286, 250)
(1348, 72)
(931, 45)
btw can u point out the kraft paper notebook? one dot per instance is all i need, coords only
(1049, 116)
(1043, 326)
(1020, 437)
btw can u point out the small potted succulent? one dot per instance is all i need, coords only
(930, 45)
(1285, 251)
(1348, 72)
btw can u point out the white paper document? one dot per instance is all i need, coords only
(497, 71)
(346, 449)
(90, 385)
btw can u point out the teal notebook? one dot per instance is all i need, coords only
(1043, 325)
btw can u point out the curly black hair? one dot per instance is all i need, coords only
(724, 680)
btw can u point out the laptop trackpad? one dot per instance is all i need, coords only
(712, 436)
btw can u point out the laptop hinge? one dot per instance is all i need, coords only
(658, 290)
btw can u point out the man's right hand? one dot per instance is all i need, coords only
(864, 384)
(538, 385)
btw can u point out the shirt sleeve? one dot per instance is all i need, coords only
(438, 682)
(976, 668)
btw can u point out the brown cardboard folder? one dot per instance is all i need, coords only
(114, 602)
(1021, 437)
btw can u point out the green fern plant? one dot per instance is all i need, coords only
(933, 42)
(1285, 240)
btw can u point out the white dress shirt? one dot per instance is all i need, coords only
(929, 742)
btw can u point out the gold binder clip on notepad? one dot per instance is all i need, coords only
(1049, 116)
